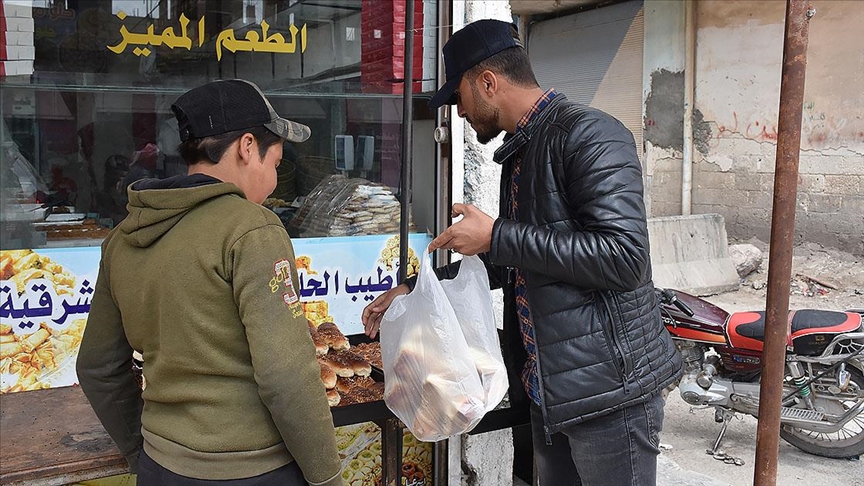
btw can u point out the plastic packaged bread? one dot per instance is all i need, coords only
(438, 406)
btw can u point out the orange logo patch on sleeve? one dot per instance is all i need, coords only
(283, 279)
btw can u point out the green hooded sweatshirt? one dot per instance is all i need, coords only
(202, 282)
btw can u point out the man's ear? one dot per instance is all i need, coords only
(245, 147)
(488, 83)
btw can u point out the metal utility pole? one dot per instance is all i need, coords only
(798, 14)
(407, 126)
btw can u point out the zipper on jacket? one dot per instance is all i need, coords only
(622, 366)
(546, 429)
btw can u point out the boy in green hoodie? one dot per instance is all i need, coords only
(200, 279)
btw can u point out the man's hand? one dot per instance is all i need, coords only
(470, 236)
(373, 312)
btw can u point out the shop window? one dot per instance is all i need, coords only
(86, 108)
(85, 97)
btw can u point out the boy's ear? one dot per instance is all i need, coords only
(245, 147)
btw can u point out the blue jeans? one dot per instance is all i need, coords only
(150, 473)
(618, 449)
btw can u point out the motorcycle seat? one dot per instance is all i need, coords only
(811, 330)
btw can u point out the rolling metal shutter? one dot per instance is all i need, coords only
(595, 58)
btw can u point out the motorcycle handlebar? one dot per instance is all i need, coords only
(668, 296)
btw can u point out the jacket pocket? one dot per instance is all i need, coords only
(612, 339)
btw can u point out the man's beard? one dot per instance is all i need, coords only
(486, 120)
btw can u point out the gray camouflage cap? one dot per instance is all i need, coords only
(226, 106)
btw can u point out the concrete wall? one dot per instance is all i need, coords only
(738, 70)
(663, 105)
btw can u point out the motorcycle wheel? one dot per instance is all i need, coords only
(847, 442)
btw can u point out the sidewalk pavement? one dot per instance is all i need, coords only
(669, 474)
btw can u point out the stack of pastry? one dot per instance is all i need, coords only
(359, 389)
(316, 311)
(346, 363)
(371, 209)
(339, 362)
(371, 352)
(341, 206)
(87, 228)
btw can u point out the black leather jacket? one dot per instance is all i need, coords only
(581, 241)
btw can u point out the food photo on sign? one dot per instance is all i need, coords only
(44, 303)
(360, 449)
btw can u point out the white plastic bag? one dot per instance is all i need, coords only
(431, 378)
(469, 295)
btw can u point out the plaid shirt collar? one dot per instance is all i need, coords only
(541, 103)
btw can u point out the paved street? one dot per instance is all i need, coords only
(687, 434)
(690, 433)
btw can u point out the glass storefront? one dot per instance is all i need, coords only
(87, 88)
(85, 94)
(85, 102)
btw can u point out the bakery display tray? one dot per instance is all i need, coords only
(367, 411)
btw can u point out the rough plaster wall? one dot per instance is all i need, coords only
(663, 181)
(664, 139)
(493, 453)
(664, 125)
(738, 68)
(482, 175)
(663, 105)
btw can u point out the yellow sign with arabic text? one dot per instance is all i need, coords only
(251, 42)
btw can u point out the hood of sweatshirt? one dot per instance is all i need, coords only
(156, 205)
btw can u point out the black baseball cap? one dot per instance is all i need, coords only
(467, 48)
(229, 105)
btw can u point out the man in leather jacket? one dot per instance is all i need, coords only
(582, 331)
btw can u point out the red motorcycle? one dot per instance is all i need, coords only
(823, 389)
